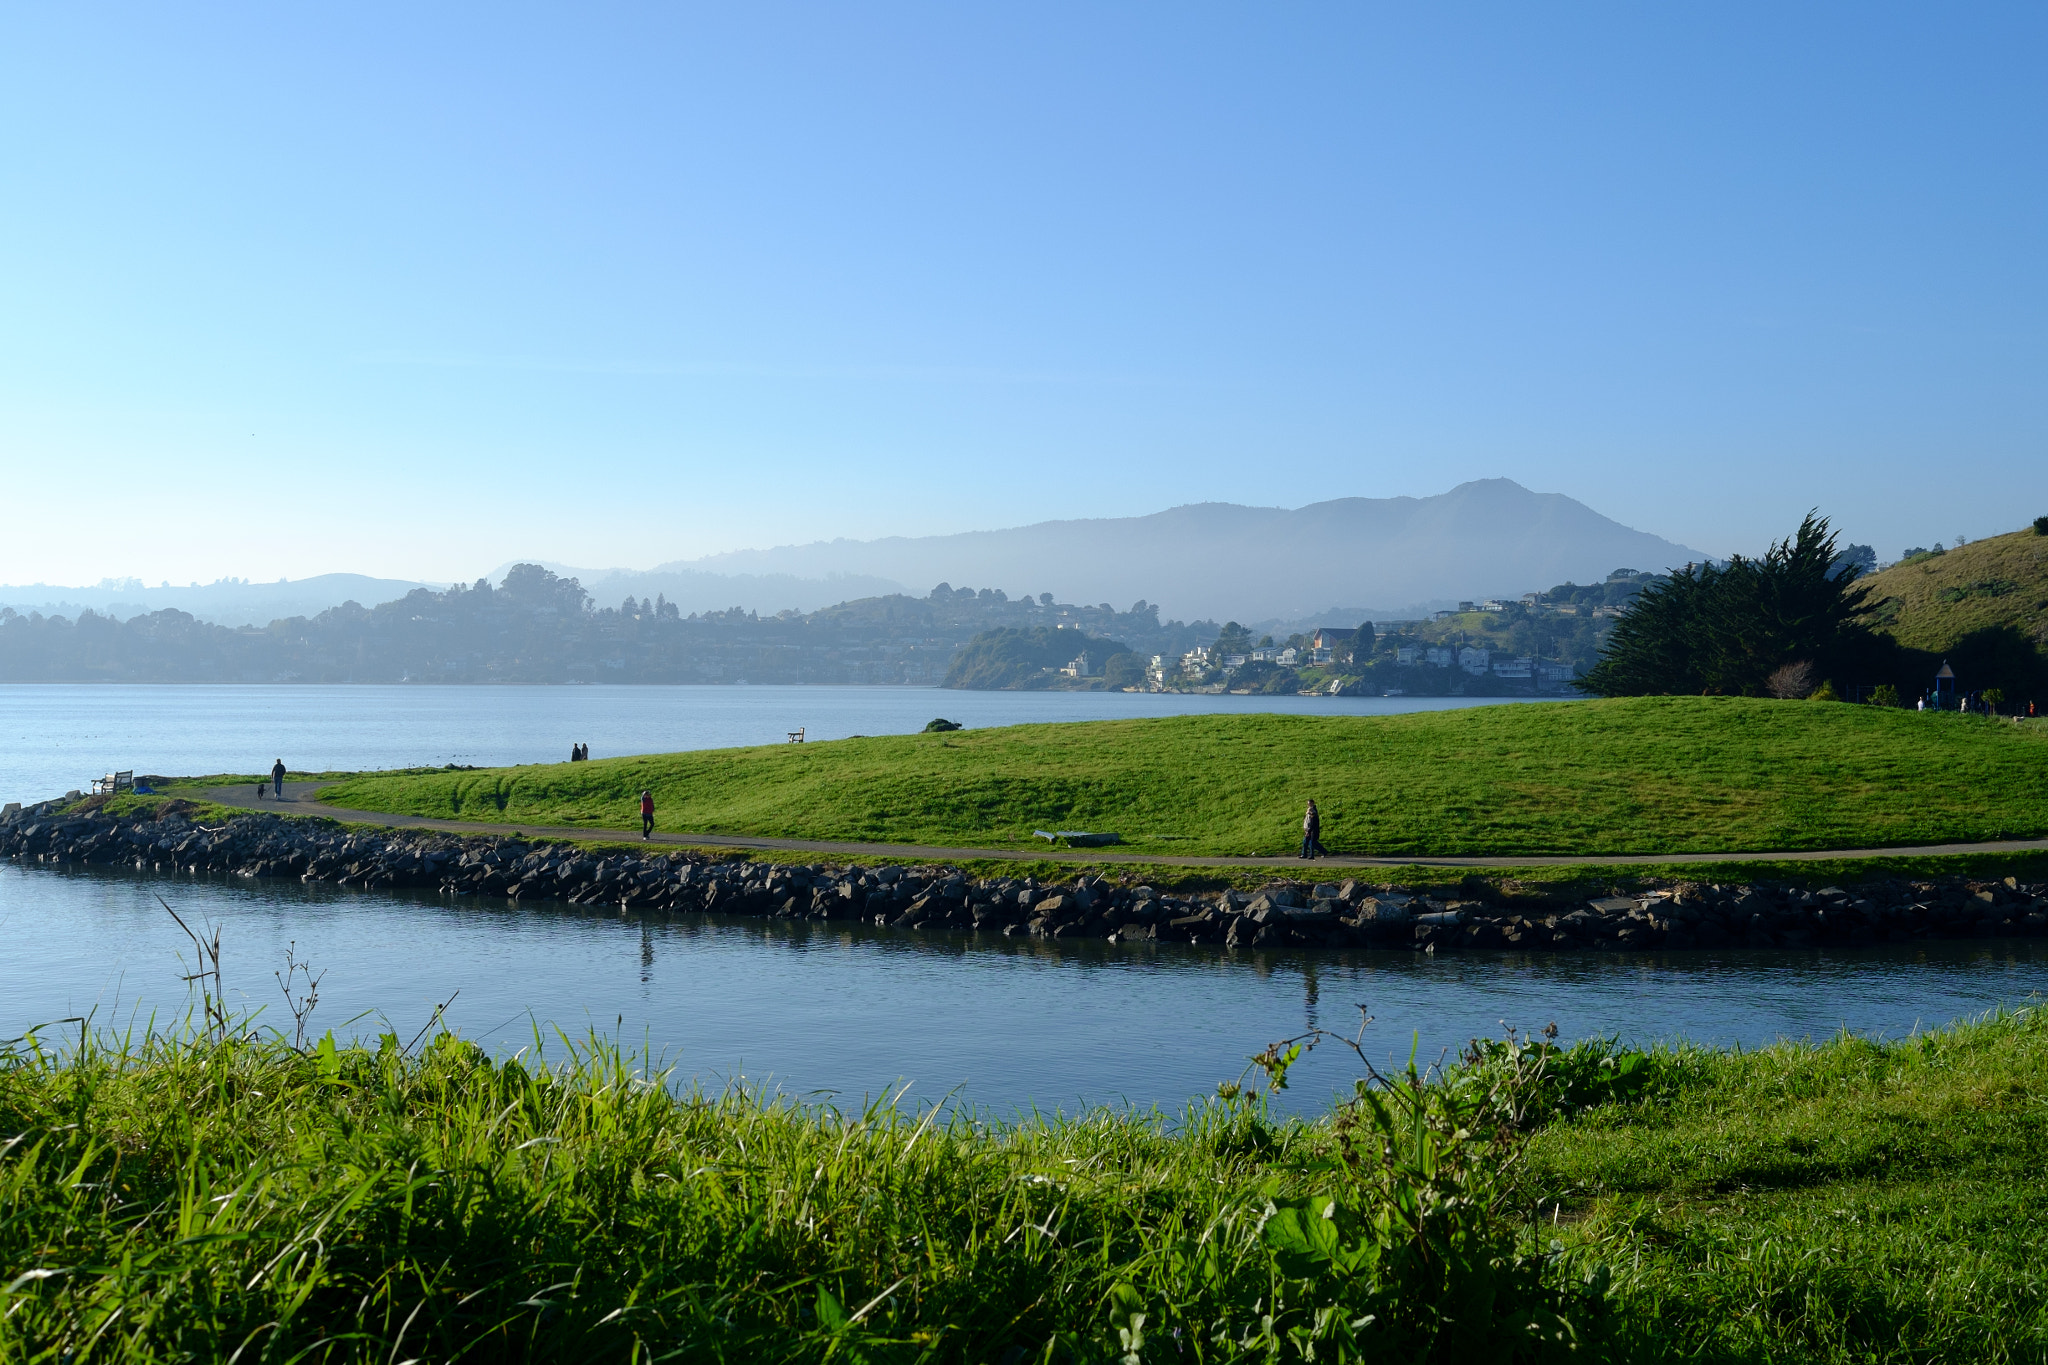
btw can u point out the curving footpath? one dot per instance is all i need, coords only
(302, 798)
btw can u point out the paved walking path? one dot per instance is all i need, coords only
(302, 798)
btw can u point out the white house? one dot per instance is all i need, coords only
(1473, 659)
(1440, 657)
(1080, 667)
(1524, 668)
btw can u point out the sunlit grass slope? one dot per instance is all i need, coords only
(1935, 602)
(1637, 775)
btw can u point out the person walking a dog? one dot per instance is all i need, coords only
(277, 778)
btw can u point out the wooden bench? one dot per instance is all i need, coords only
(113, 782)
(796, 736)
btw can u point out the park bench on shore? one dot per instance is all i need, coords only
(113, 782)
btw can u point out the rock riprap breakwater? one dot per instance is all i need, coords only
(943, 899)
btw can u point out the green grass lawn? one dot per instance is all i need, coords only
(1847, 1202)
(1633, 775)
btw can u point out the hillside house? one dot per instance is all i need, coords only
(1441, 658)
(1523, 668)
(1406, 655)
(1550, 674)
(1287, 658)
(1474, 659)
(1333, 639)
(1081, 667)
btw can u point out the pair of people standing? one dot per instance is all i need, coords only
(579, 753)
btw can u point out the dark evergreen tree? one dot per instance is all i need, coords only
(1233, 639)
(1727, 630)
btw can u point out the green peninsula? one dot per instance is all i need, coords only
(1632, 775)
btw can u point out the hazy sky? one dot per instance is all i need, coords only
(414, 290)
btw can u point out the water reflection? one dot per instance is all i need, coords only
(849, 1010)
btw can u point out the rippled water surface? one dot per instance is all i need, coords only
(999, 1023)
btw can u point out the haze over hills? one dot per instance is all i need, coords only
(1342, 560)
(227, 602)
(1391, 556)
(698, 590)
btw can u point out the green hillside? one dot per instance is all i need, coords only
(1632, 775)
(1931, 601)
(1986, 603)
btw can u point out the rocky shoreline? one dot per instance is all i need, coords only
(931, 899)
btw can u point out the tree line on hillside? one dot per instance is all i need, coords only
(537, 627)
(1792, 622)
(1029, 659)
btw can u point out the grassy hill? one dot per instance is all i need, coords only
(1632, 775)
(1984, 606)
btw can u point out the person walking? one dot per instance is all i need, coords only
(277, 778)
(1312, 833)
(646, 813)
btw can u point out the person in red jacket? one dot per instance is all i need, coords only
(646, 814)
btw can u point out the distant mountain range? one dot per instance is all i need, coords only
(229, 602)
(1383, 556)
(1342, 560)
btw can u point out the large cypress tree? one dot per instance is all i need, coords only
(1726, 630)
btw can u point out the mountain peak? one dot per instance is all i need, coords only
(1485, 537)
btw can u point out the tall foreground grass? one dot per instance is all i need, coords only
(187, 1197)
(190, 1197)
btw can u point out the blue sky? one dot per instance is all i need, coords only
(416, 290)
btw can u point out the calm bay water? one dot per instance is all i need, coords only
(57, 737)
(997, 1023)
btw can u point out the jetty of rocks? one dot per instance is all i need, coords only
(933, 899)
